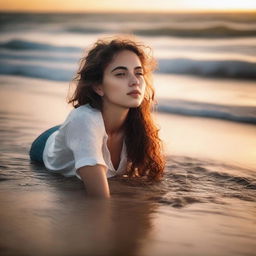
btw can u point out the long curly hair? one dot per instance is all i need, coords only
(144, 147)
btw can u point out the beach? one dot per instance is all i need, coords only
(206, 114)
(204, 205)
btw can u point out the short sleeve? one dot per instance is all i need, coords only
(84, 138)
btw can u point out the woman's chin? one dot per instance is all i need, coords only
(134, 104)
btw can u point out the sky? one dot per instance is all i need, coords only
(126, 5)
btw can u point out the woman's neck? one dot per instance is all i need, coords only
(114, 118)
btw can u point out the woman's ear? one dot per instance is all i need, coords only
(98, 89)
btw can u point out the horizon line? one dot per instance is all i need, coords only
(133, 11)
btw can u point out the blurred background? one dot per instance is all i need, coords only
(206, 53)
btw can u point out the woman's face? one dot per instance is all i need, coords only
(123, 81)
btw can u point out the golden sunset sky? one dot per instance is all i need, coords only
(126, 5)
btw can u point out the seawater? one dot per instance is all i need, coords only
(212, 46)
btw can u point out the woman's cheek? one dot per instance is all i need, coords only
(113, 84)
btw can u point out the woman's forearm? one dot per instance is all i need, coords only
(95, 180)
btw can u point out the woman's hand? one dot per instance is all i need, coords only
(95, 180)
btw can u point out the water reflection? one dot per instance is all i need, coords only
(63, 222)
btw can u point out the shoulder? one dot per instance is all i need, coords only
(86, 116)
(85, 112)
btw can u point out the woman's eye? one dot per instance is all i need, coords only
(123, 74)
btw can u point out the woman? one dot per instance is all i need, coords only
(110, 131)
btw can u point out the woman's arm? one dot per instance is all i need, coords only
(95, 180)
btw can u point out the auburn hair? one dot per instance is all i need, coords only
(144, 147)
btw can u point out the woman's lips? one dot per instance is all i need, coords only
(134, 94)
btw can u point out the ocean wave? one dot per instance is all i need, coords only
(221, 31)
(36, 71)
(17, 44)
(209, 68)
(215, 69)
(84, 30)
(225, 69)
(244, 114)
(38, 57)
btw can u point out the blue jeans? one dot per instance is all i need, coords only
(37, 147)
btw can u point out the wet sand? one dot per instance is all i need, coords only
(204, 206)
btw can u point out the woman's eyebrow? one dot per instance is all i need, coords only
(125, 68)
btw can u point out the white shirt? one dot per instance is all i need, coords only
(81, 140)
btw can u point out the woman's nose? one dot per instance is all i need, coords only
(134, 80)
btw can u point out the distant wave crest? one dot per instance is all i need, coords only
(36, 71)
(17, 44)
(221, 31)
(209, 68)
(245, 114)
